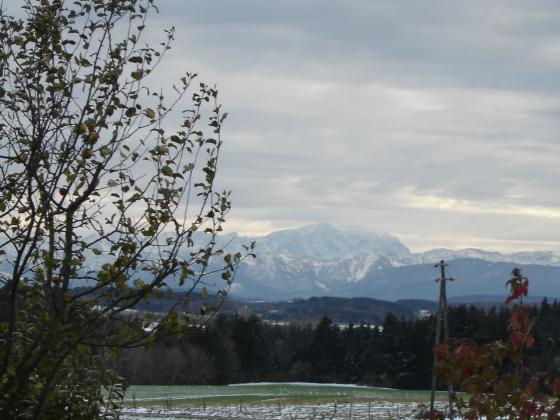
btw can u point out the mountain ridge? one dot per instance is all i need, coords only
(321, 260)
(319, 241)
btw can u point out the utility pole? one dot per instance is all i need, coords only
(441, 318)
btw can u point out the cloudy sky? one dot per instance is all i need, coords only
(436, 121)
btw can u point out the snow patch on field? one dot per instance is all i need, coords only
(372, 410)
(273, 400)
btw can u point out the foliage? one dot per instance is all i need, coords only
(102, 205)
(494, 377)
(398, 356)
(233, 349)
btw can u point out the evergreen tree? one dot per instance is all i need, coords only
(325, 352)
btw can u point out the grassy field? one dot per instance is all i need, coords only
(283, 399)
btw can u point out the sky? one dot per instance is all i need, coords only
(435, 121)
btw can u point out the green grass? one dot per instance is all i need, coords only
(263, 394)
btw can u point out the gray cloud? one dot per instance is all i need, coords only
(437, 121)
(372, 114)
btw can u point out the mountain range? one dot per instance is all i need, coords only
(320, 260)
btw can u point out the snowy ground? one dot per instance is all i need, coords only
(373, 410)
(373, 403)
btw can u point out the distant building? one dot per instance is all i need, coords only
(424, 313)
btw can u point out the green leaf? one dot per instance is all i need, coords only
(105, 152)
(149, 112)
(209, 174)
(167, 171)
(49, 261)
(137, 75)
(176, 139)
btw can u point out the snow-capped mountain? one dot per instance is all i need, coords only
(321, 260)
(324, 242)
(533, 257)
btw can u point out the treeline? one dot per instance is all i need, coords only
(234, 349)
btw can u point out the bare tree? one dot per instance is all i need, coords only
(102, 204)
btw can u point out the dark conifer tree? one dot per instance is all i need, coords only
(324, 352)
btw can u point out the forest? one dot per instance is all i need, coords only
(398, 353)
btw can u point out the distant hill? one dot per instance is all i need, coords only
(341, 310)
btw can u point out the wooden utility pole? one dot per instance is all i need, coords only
(441, 318)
